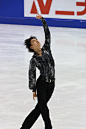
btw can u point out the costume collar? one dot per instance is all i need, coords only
(37, 55)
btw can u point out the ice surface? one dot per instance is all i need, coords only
(68, 103)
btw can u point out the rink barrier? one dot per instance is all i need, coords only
(12, 12)
(54, 22)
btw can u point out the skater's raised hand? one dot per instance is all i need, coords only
(34, 95)
(38, 16)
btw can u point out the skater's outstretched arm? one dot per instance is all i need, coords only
(47, 32)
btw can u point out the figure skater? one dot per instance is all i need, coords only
(45, 84)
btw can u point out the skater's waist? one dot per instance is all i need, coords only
(47, 79)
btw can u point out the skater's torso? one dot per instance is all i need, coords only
(45, 64)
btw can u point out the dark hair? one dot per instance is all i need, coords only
(27, 43)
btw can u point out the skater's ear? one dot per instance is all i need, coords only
(32, 47)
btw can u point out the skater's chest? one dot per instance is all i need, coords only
(43, 60)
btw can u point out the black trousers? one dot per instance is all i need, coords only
(44, 93)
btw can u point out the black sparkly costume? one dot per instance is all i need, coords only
(44, 63)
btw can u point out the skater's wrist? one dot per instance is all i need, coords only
(33, 90)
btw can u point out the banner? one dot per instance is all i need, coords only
(58, 13)
(66, 9)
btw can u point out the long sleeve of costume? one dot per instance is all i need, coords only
(47, 34)
(32, 75)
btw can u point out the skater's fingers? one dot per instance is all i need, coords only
(37, 13)
(33, 97)
(37, 17)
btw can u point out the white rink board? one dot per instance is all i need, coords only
(60, 5)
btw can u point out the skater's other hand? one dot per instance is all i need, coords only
(38, 16)
(34, 95)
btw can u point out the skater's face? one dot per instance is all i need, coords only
(35, 44)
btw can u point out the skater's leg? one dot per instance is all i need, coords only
(48, 96)
(50, 91)
(34, 114)
(43, 98)
(31, 118)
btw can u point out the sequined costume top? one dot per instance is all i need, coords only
(44, 63)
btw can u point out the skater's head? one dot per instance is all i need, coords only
(32, 44)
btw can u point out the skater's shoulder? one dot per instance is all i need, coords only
(33, 59)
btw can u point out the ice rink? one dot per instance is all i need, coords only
(68, 103)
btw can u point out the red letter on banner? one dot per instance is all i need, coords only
(43, 8)
(64, 12)
(81, 4)
(34, 10)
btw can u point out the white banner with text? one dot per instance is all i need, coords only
(66, 9)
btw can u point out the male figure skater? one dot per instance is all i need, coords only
(43, 60)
